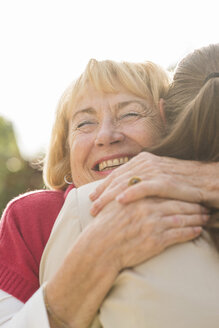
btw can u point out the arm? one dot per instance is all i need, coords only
(162, 177)
(120, 237)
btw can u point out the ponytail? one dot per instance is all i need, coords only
(194, 134)
(193, 131)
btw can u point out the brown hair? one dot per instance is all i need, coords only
(146, 80)
(192, 111)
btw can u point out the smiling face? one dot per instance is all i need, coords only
(106, 130)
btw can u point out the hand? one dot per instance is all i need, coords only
(164, 177)
(120, 236)
(135, 232)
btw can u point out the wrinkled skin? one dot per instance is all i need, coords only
(164, 177)
(121, 236)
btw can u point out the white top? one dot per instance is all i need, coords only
(15, 314)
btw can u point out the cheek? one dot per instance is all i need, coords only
(80, 147)
(145, 134)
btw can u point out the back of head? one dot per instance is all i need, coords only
(192, 112)
(192, 108)
(146, 80)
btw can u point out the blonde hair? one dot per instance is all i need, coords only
(146, 80)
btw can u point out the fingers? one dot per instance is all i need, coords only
(158, 188)
(107, 196)
(183, 221)
(172, 207)
(100, 188)
(175, 236)
(112, 180)
(138, 191)
(126, 171)
(108, 191)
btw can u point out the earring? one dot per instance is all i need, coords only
(66, 179)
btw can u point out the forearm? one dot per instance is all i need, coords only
(119, 237)
(77, 290)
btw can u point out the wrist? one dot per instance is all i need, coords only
(76, 291)
(54, 320)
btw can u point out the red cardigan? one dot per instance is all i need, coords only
(24, 230)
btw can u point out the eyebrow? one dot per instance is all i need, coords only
(126, 103)
(88, 110)
(119, 105)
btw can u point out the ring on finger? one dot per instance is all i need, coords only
(134, 180)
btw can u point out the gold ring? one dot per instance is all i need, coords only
(134, 180)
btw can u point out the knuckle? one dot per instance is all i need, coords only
(205, 218)
(181, 206)
(200, 196)
(198, 208)
(177, 221)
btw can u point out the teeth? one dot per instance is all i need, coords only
(112, 162)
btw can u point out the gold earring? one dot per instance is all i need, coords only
(66, 179)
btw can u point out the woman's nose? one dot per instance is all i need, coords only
(108, 134)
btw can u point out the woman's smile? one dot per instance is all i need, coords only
(106, 130)
(107, 164)
(112, 163)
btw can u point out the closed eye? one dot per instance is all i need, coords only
(130, 114)
(80, 125)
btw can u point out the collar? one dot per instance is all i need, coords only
(70, 187)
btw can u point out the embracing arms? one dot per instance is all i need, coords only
(164, 177)
(119, 237)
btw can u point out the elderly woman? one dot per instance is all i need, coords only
(143, 296)
(104, 119)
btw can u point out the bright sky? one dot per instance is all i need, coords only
(45, 44)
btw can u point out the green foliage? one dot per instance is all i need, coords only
(8, 145)
(16, 175)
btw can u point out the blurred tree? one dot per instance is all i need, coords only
(16, 175)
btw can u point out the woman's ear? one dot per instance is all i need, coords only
(162, 110)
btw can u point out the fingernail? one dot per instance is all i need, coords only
(206, 218)
(92, 211)
(197, 230)
(205, 210)
(95, 207)
(93, 195)
(120, 197)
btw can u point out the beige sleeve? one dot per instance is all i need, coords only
(72, 219)
(178, 288)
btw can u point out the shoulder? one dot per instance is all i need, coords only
(37, 197)
(33, 211)
(36, 201)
